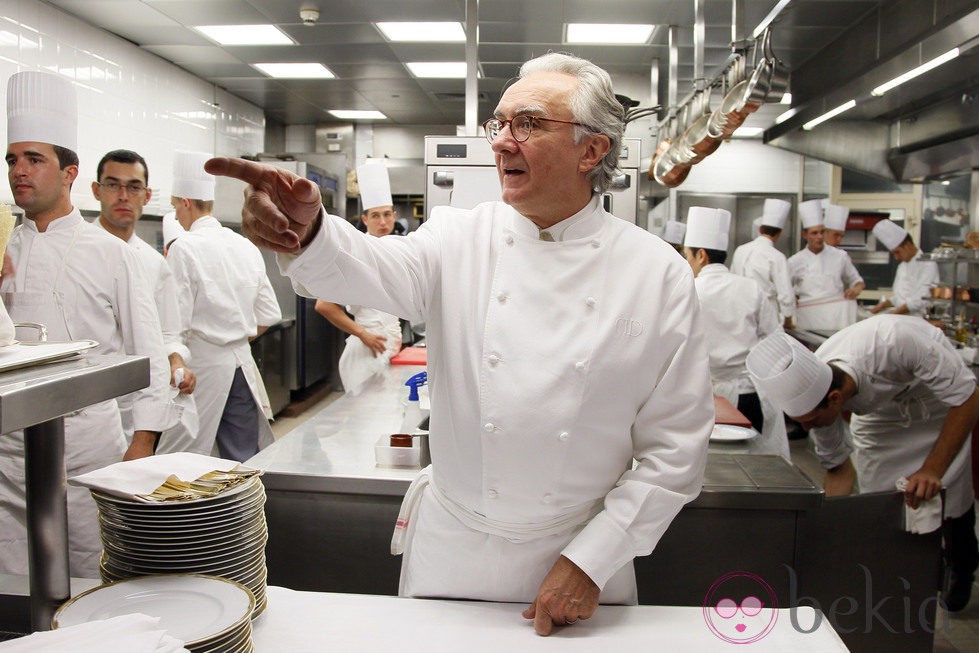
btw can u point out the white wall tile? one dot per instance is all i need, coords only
(127, 98)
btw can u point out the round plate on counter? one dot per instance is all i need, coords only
(731, 433)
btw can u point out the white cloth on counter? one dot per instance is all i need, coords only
(548, 374)
(927, 517)
(130, 478)
(128, 633)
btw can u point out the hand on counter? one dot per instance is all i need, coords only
(565, 595)
(280, 210)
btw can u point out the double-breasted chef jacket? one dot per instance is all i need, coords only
(819, 281)
(81, 283)
(155, 273)
(759, 260)
(552, 365)
(358, 363)
(913, 281)
(908, 376)
(736, 315)
(224, 296)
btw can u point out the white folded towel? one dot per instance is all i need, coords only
(129, 633)
(927, 517)
(141, 476)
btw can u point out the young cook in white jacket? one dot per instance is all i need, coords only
(563, 344)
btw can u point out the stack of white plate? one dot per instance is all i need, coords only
(208, 614)
(223, 535)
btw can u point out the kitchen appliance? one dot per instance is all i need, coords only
(460, 171)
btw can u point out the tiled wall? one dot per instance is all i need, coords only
(127, 98)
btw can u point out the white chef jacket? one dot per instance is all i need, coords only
(908, 376)
(224, 296)
(760, 260)
(912, 283)
(81, 282)
(552, 365)
(817, 276)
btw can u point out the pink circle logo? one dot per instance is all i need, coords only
(740, 608)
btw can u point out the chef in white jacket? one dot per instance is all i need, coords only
(225, 300)
(79, 282)
(375, 336)
(736, 315)
(914, 405)
(913, 279)
(825, 281)
(563, 344)
(759, 260)
(673, 233)
(122, 191)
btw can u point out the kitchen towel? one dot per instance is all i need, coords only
(129, 633)
(927, 517)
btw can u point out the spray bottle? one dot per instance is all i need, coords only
(413, 416)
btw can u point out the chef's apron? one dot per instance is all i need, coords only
(893, 442)
(773, 438)
(358, 362)
(449, 549)
(93, 439)
(215, 367)
(828, 313)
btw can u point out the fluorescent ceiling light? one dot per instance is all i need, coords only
(423, 32)
(606, 33)
(295, 70)
(782, 117)
(748, 132)
(245, 34)
(353, 114)
(438, 69)
(786, 99)
(830, 114)
(911, 74)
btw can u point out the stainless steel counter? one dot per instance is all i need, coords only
(36, 399)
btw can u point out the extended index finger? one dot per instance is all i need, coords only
(249, 172)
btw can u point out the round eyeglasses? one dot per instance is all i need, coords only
(520, 126)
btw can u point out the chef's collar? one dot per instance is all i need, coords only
(847, 369)
(713, 268)
(582, 224)
(204, 222)
(64, 222)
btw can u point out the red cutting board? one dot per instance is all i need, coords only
(726, 413)
(411, 356)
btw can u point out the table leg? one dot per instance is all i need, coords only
(47, 519)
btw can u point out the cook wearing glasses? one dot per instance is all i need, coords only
(563, 344)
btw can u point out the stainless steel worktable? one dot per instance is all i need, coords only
(36, 399)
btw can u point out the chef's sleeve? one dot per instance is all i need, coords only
(267, 311)
(832, 443)
(669, 435)
(783, 287)
(930, 358)
(168, 306)
(185, 281)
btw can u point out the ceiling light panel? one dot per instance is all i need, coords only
(353, 114)
(295, 70)
(423, 32)
(607, 33)
(438, 69)
(245, 34)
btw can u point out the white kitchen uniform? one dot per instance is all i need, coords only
(912, 283)
(736, 315)
(819, 281)
(79, 282)
(154, 271)
(908, 376)
(357, 362)
(224, 295)
(552, 365)
(761, 261)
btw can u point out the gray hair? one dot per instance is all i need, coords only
(593, 104)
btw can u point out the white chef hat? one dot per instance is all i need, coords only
(42, 108)
(189, 179)
(707, 228)
(890, 234)
(375, 185)
(775, 213)
(835, 217)
(790, 374)
(171, 228)
(674, 232)
(811, 213)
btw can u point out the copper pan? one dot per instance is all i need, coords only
(698, 136)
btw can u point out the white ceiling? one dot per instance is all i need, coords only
(370, 70)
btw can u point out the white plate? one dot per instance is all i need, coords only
(25, 354)
(731, 433)
(190, 607)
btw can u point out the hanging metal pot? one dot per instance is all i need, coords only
(756, 90)
(698, 137)
(778, 80)
(729, 118)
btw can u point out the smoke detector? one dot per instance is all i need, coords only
(309, 15)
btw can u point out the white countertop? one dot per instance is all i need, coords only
(313, 621)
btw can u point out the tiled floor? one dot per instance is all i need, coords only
(958, 633)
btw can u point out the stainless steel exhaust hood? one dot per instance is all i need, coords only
(927, 127)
